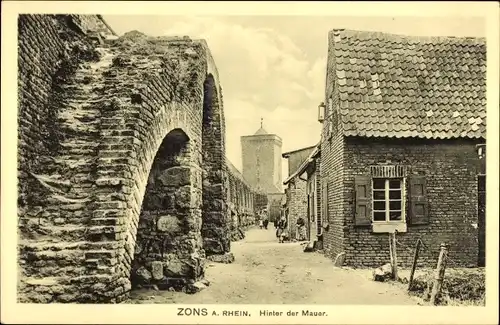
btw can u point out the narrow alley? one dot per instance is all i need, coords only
(266, 272)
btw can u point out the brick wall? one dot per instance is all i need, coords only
(332, 166)
(56, 156)
(244, 202)
(317, 172)
(92, 118)
(296, 203)
(450, 169)
(40, 72)
(215, 228)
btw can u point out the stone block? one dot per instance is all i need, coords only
(194, 287)
(176, 176)
(383, 273)
(169, 224)
(226, 258)
(109, 182)
(215, 191)
(157, 270)
(214, 219)
(216, 205)
(176, 268)
(213, 246)
(143, 274)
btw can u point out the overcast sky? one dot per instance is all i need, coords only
(274, 66)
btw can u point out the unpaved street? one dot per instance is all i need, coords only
(266, 272)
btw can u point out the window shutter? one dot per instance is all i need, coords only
(362, 189)
(418, 201)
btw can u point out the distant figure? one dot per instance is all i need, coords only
(261, 224)
(266, 222)
(275, 223)
(301, 229)
(281, 232)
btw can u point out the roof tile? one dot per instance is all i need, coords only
(387, 83)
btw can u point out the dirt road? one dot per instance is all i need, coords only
(266, 272)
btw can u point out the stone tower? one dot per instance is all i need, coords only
(261, 157)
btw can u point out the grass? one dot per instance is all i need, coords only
(461, 286)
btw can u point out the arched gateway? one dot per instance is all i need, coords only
(122, 180)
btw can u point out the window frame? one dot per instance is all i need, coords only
(387, 200)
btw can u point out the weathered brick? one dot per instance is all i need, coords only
(105, 121)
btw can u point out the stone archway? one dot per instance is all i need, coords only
(216, 223)
(111, 106)
(164, 247)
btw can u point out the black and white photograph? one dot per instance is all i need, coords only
(301, 163)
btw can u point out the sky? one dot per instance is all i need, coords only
(273, 67)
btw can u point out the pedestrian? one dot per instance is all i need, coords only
(281, 232)
(261, 223)
(275, 223)
(266, 222)
(301, 230)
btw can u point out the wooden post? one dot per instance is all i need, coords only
(439, 275)
(394, 257)
(390, 252)
(414, 265)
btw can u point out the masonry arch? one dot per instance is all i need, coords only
(215, 220)
(97, 189)
(163, 245)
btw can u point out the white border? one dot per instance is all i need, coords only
(11, 312)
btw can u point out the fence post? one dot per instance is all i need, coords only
(394, 257)
(439, 275)
(414, 265)
(391, 254)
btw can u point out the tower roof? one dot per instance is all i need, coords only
(261, 131)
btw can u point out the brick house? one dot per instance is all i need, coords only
(402, 120)
(310, 171)
(296, 191)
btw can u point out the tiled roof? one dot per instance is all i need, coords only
(398, 86)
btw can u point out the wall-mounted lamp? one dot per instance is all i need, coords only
(321, 112)
(481, 150)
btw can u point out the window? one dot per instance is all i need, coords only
(388, 199)
(381, 199)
